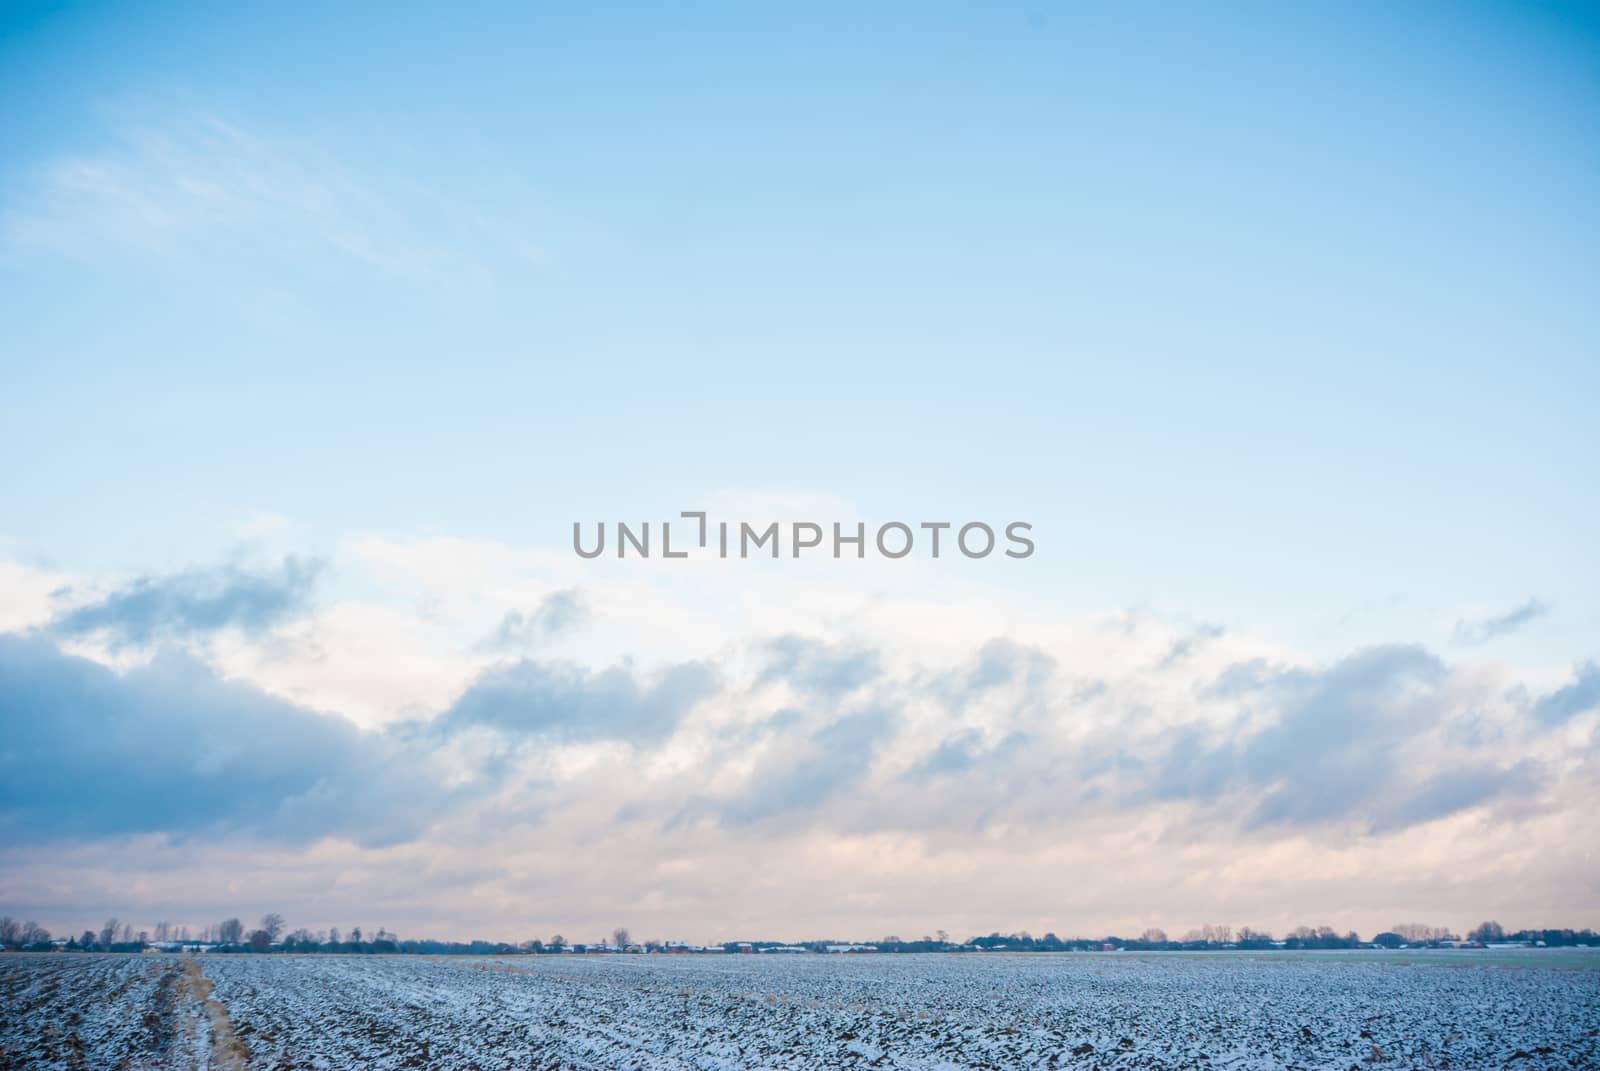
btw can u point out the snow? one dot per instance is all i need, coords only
(92, 1011)
(798, 1013)
(923, 1012)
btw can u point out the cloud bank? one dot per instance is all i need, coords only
(684, 793)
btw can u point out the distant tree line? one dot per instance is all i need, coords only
(23, 935)
(273, 935)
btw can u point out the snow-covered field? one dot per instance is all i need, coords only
(82, 1011)
(812, 1012)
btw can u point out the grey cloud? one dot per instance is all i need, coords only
(558, 613)
(1030, 673)
(195, 601)
(172, 748)
(1240, 679)
(1484, 629)
(1457, 790)
(1185, 646)
(1195, 766)
(953, 755)
(817, 667)
(840, 757)
(568, 702)
(1339, 733)
(1566, 703)
(1001, 662)
(961, 753)
(747, 732)
(1087, 690)
(1342, 746)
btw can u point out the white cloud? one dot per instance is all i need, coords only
(28, 596)
(909, 759)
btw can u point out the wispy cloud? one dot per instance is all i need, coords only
(195, 184)
(559, 612)
(1481, 630)
(193, 602)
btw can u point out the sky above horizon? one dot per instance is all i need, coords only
(1277, 324)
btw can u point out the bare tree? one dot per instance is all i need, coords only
(230, 931)
(273, 925)
(1486, 932)
(621, 936)
(10, 930)
(1420, 933)
(108, 933)
(1155, 935)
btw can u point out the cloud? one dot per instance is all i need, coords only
(1340, 733)
(1185, 646)
(1347, 743)
(814, 666)
(560, 612)
(193, 183)
(890, 758)
(1482, 630)
(195, 602)
(962, 752)
(1458, 790)
(1566, 703)
(170, 747)
(839, 757)
(529, 698)
(1002, 662)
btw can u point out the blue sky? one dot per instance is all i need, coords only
(1276, 322)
